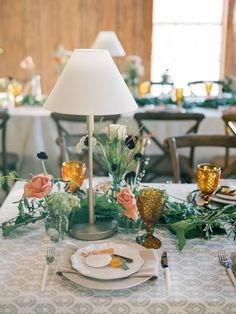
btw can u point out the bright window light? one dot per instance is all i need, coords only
(186, 39)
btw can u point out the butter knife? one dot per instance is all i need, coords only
(164, 264)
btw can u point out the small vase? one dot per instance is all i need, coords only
(56, 227)
(127, 225)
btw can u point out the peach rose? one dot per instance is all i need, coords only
(39, 186)
(127, 200)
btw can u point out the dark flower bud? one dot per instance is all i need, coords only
(130, 177)
(138, 156)
(131, 141)
(86, 141)
(113, 167)
(42, 156)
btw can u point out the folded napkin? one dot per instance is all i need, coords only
(149, 268)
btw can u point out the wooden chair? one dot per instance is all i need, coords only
(230, 130)
(67, 139)
(193, 141)
(194, 86)
(160, 164)
(161, 88)
(8, 161)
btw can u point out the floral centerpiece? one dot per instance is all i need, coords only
(133, 70)
(119, 154)
(61, 56)
(43, 198)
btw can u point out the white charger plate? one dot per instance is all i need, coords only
(107, 273)
(217, 199)
(116, 284)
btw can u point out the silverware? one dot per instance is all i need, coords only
(127, 259)
(50, 257)
(224, 261)
(164, 264)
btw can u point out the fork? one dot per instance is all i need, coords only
(223, 259)
(49, 260)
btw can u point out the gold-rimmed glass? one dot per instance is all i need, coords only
(74, 172)
(208, 177)
(208, 86)
(179, 95)
(144, 88)
(150, 203)
(15, 88)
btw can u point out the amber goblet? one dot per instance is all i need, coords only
(150, 205)
(15, 89)
(208, 86)
(74, 172)
(179, 95)
(208, 177)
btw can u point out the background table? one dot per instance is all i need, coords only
(31, 130)
(199, 283)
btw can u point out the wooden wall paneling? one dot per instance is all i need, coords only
(106, 16)
(31, 30)
(36, 28)
(68, 24)
(49, 38)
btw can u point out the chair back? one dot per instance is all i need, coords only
(70, 130)
(147, 121)
(163, 89)
(198, 88)
(192, 141)
(4, 116)
(230, 123)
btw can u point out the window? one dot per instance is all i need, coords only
(186, 39)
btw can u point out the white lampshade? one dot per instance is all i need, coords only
(109, 41)
(90, 84)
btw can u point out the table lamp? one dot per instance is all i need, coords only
(109, 41)
(89, 85)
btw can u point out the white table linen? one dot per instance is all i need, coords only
(199, 283)
(31, 130)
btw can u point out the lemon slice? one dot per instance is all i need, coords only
(98, 261)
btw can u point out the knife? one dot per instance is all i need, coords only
(164, 264)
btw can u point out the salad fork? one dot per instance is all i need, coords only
(224, 261)
(49, 260)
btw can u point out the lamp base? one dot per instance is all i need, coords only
(97, 231)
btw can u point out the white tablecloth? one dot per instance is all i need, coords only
(199, 283)
(31, 130)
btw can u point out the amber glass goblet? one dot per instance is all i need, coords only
(179, 95)
(144, 88)
(208, 177)
(208, 86)
(150, 205)
(15, 89)
(73, 171)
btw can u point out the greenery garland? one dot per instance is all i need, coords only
(186, 219)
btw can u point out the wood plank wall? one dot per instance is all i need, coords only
(37, 27)
(229, 61)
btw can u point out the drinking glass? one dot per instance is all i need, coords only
(179, 94)
(144, 88)
(15, 89)
(208, 86)
(208, 177)
(73, 171)
(150, 205)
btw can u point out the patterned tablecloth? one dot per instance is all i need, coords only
(199, 283)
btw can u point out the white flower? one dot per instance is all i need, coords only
(83, 143)
(27, 63)
(116, 131)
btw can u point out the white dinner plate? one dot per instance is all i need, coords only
(226, 197)
(116, 284)
(107, 272)
(217, 199)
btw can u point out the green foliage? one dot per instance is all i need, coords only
(188, 220)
